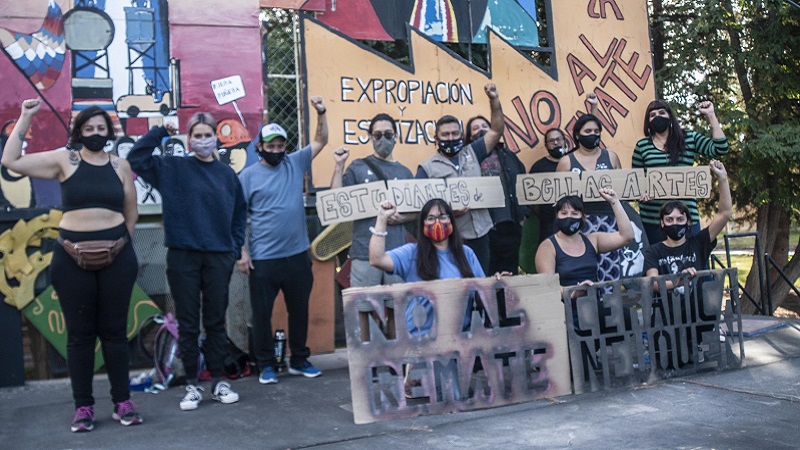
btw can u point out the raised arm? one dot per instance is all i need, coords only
(339, 158)
(707, 109)
(725, 210)
(141, 156)
(321, 136)
(38, 165)
(496, 126)
(377, 243)
(594, 104)
(606, 242)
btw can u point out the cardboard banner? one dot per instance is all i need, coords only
(364, 200)
(629, 184)
(351, 203)
(454, 345)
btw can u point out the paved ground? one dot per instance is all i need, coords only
(755, 407)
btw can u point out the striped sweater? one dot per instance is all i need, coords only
(646, 155)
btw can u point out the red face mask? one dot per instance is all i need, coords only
(438, 231)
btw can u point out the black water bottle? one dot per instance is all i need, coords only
(280, 350)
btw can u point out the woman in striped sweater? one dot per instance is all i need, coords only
(666, 144)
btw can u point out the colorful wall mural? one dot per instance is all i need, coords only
(598, 46)
(144, 61)
(153, 61)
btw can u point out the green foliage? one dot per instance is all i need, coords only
(744, 56)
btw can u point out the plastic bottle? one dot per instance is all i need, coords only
(280, 350)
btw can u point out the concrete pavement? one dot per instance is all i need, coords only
(755, 407)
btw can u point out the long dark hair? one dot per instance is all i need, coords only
(83, 117)
(676, 144)
(427, 259)
(579, 124)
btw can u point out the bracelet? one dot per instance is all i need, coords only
(378, 233)
(322, 112)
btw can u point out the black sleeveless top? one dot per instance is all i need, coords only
(93, 187)
(574, 269)
(603, 163)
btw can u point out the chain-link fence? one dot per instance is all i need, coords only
(281, 47)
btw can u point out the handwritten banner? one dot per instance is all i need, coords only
(454, 345)
(363, 201)
(629, 184)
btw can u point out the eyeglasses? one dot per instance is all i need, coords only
(440, 218)
(555, 141)
(386, 134)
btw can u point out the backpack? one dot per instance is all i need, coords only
(167, 365)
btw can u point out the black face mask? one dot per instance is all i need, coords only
(557, 152)
(479, 135)
(94, 143)
(273, 159)
(676, 231)
(659, 124)
(589, 142)
(568, 225)
(452, 147)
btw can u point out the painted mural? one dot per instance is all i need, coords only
(599, 46)
(146, 62)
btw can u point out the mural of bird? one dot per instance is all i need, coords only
(40, 56)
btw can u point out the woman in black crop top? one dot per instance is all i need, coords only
(572, 254)
(99, 203)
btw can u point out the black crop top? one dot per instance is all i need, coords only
(93, 187)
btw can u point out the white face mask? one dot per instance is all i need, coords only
(203, 147)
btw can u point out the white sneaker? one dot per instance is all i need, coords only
(192, 398)
(224, 394)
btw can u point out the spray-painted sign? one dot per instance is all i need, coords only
(635, 330)
(364, 200)
(629, 184)
(454, 345)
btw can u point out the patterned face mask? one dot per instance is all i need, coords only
(438, 231)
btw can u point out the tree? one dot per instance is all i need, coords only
(744, 55)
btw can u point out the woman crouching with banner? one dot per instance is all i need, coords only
(439, 253)
(572, 254)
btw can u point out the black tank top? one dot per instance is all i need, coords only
(603, 163)
(574, 269)
(93, 187)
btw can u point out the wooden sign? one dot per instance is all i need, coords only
(454, 345)
(629, 184)
(364, 200)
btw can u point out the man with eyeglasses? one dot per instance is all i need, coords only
(379, 166)
(278, 255)
(454, 159)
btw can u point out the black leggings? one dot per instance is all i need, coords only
(95, 305)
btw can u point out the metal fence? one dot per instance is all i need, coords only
(281, 49)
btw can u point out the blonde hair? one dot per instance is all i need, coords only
(201, 117)
(204, 118)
